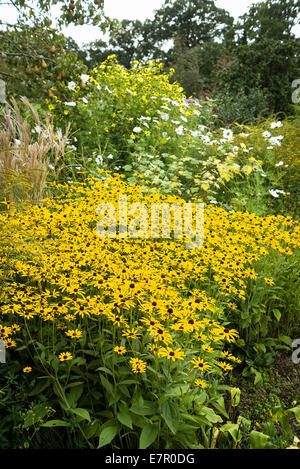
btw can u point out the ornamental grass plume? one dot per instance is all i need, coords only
(27, 154)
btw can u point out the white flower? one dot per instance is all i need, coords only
(164, 116)
(99, 160)
(183, 118)
(213, 202)
(227, 134)
(37, 129)
(110, 156)
(179, 130)
(72, 85)
(276, 140)
(137, 130)
(274, 125)
(206, 139)
(279, 164)
(266, 134)
(70, 104)
(85, 100)
(275, 193)
(84, 78)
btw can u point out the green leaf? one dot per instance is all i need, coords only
(296, 411)
(210, 415)
(92, 429)
(285, 339)
(142, 407)
(83, 413)
(41, 385)
(148, 435)
(125, 418)
(258, 377)
(107, 435)
(107, 385)
(74, 395)
(258, 440)
(233, 429)
(219, 405)
(106, 370)
(171, 415)
(35, 415)
(277, 314)
(56, 423)
(139, 420)
(197, 420)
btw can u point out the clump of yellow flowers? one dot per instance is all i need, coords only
(155, 293)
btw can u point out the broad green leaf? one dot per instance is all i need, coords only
(74, 395)
(277, 314)
(82, 413)
(258, 377)
(41, 385)
(148, 435)
(35, 415)
(258, 440)
(285, 339)
(56, 423)
(107, 435)
(296, 411)
(125, 418)
(142, 407)
(171, 415)
(233, 429)
(210, 415)
(107, 385)
(106, 370)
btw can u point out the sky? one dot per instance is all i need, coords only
(140, 10)
(131, 9)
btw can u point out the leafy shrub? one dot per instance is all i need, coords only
(243, 107)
